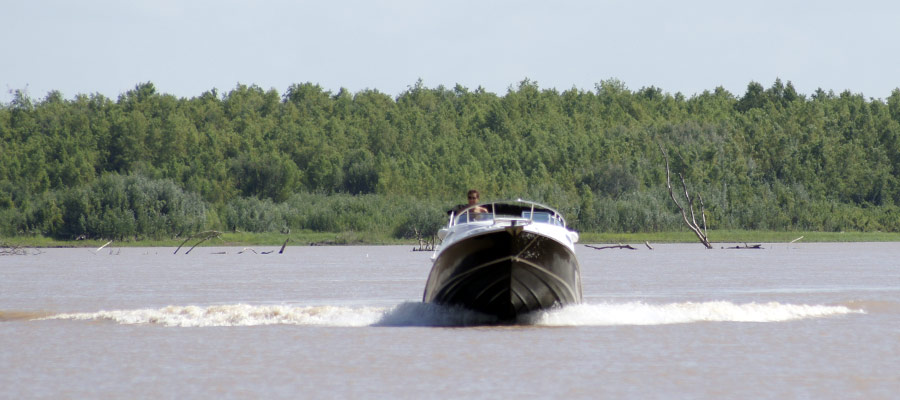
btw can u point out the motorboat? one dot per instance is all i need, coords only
(515, 258)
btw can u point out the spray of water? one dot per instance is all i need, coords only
(422, 314)
(638, 313)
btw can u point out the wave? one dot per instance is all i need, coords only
(424, 314)
(639, 313)
(238, 315)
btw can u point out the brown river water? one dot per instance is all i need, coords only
(807, 321)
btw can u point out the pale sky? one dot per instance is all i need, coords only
(188, 47)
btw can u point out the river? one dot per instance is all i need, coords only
(817, 321)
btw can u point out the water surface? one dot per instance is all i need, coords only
(787, 321)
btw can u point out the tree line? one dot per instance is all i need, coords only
(151, 165)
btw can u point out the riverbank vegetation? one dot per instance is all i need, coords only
(150, 166)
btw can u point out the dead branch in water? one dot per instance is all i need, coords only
(101, 247)
(204, 236)
(280, 251)
(11, 250)
(692, 223)
(619, 246)
(746, 246)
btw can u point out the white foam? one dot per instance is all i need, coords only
(422, 314)
(238, 315)
(639, 313)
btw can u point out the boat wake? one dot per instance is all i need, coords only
(638, 313)
(238, 315)
(425, 314)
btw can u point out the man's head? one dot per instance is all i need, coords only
(473, 197)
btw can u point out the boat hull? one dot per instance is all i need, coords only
(505, 273)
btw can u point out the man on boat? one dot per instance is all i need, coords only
(474, 196)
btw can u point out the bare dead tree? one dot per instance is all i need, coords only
(423, 243)
(692, 222)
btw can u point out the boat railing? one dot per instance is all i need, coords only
(529, 213)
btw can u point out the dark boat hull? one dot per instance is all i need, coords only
(505, 273)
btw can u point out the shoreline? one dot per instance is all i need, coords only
(237, 239)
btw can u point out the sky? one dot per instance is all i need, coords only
(188, 47)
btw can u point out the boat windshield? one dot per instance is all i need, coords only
(546, 217)
(538, 216)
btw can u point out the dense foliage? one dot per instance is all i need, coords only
(153, 165)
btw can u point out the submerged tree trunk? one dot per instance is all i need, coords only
(619, 246)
